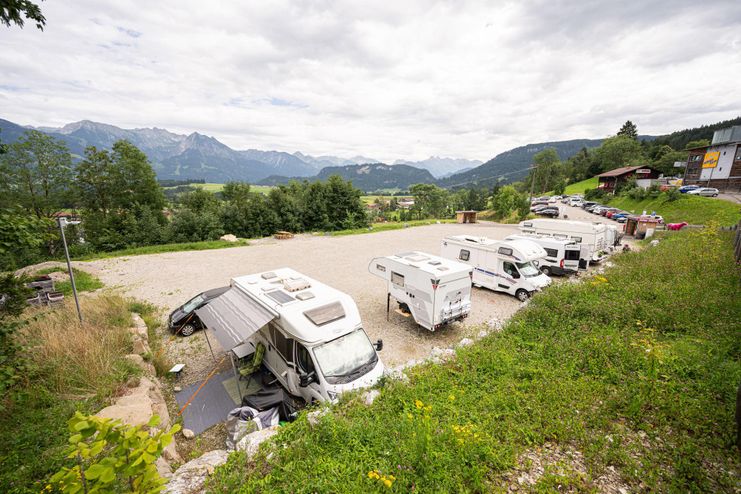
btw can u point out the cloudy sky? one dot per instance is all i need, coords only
(388, 79)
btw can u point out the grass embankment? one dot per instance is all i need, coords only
(694, 210)
(68, 367)
(161, 249)
(84, 281)
(636, 370)
(391, 225)
(581, 187)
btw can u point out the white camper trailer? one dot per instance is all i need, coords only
(314, 340)
(562, 255)
(593, 237)
(503, 265)
(435, 291)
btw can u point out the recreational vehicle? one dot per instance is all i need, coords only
(562, 255)
(593, 237)
(435, 291)
(312, 334)
(503, 265)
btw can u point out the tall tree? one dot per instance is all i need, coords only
(546, 171)
(616, 152)
(37, 174)
(628, 129)
(430, 201)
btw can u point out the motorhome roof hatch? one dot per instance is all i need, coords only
(280, 296)
(268, 276)
(296, 284)
(325, 314)
(305, 296)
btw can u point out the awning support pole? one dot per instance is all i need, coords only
(205, 331)
(236, 376)
(388, 305)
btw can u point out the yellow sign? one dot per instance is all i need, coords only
(711, 159)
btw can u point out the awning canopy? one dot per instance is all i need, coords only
(234, 317)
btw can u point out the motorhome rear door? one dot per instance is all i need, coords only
(572, 254)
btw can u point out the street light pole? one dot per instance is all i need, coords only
(532, 181)
(62, 223)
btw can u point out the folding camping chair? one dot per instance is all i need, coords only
(249, 369)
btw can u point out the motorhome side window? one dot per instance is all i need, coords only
(551, 252)
(572, 255)
(511, 270)
(397, 279)
(303, 358)
(505, 251)
(282, 344)
(465, 255)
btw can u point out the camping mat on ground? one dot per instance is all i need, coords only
(230, 385)
(210, 406)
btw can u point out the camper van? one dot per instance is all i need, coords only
(562, 255)
(509, 266)
(435, 291)
(594, 238)
(314, 340)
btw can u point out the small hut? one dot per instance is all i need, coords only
(466, 216)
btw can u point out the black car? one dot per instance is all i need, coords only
(552, 212)
(184, 320)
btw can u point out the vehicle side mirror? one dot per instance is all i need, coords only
(305, 379)
(536, 263)
(379, 345)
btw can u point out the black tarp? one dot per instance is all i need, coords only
(273, 397)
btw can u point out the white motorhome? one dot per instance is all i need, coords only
(503, 265)
(435, 291)
(593, 237)
(562, 255)
(314, 340)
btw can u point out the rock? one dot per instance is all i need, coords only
(438, 355)
(177, 389)
(191, 477)
(250, 443)
(188, 434)
(313, 417)
(483, 333)
(139, 361)
(163, 468)
(229, 238)
(465, 342)
(136, 406)
(370, 396)
(141, 346)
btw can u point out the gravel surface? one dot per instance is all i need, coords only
(167, 280)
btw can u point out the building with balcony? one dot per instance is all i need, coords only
(717, 165)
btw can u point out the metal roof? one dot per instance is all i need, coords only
(621, 171)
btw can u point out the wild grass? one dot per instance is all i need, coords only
(81, 360)
(391, 225)
(84, 281)
(68, 367)
(636, 369)
(160, 249)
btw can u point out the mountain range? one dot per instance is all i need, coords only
(368, 177)
(197, 156)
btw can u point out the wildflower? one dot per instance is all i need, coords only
(451, 397)
(428, 408)
(409, 416)
(387, 483)
(373, 474)
(418, 404)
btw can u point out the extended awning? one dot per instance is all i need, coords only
(234, 317)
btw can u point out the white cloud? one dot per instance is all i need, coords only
(397, 80)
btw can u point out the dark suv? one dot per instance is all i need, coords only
(184, 320)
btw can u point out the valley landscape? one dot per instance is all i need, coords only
(402, 247)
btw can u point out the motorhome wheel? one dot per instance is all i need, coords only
(188, 329)
(522, 295)
(546, 270)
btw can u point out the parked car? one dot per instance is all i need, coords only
(576, 202)
(551, 212)
(705, 191)
(184, 320)
(686, 188)
(587, 204)
(676, 226)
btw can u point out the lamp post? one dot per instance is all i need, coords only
(62, 222)
(534, 168)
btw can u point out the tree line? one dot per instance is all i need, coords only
(121, 204)
(622, 149)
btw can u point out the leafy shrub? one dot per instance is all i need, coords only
(594, 194)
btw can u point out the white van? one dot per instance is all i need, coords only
(562, 255)
(314, 339)
(593, 237)
(434, 290)
(509, 266)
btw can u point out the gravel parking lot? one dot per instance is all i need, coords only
(167, 280)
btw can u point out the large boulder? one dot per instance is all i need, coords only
(250, 443)
(191, 477)
(229, 238)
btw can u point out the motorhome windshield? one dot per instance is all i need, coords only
(527, 269)
(346, 358)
